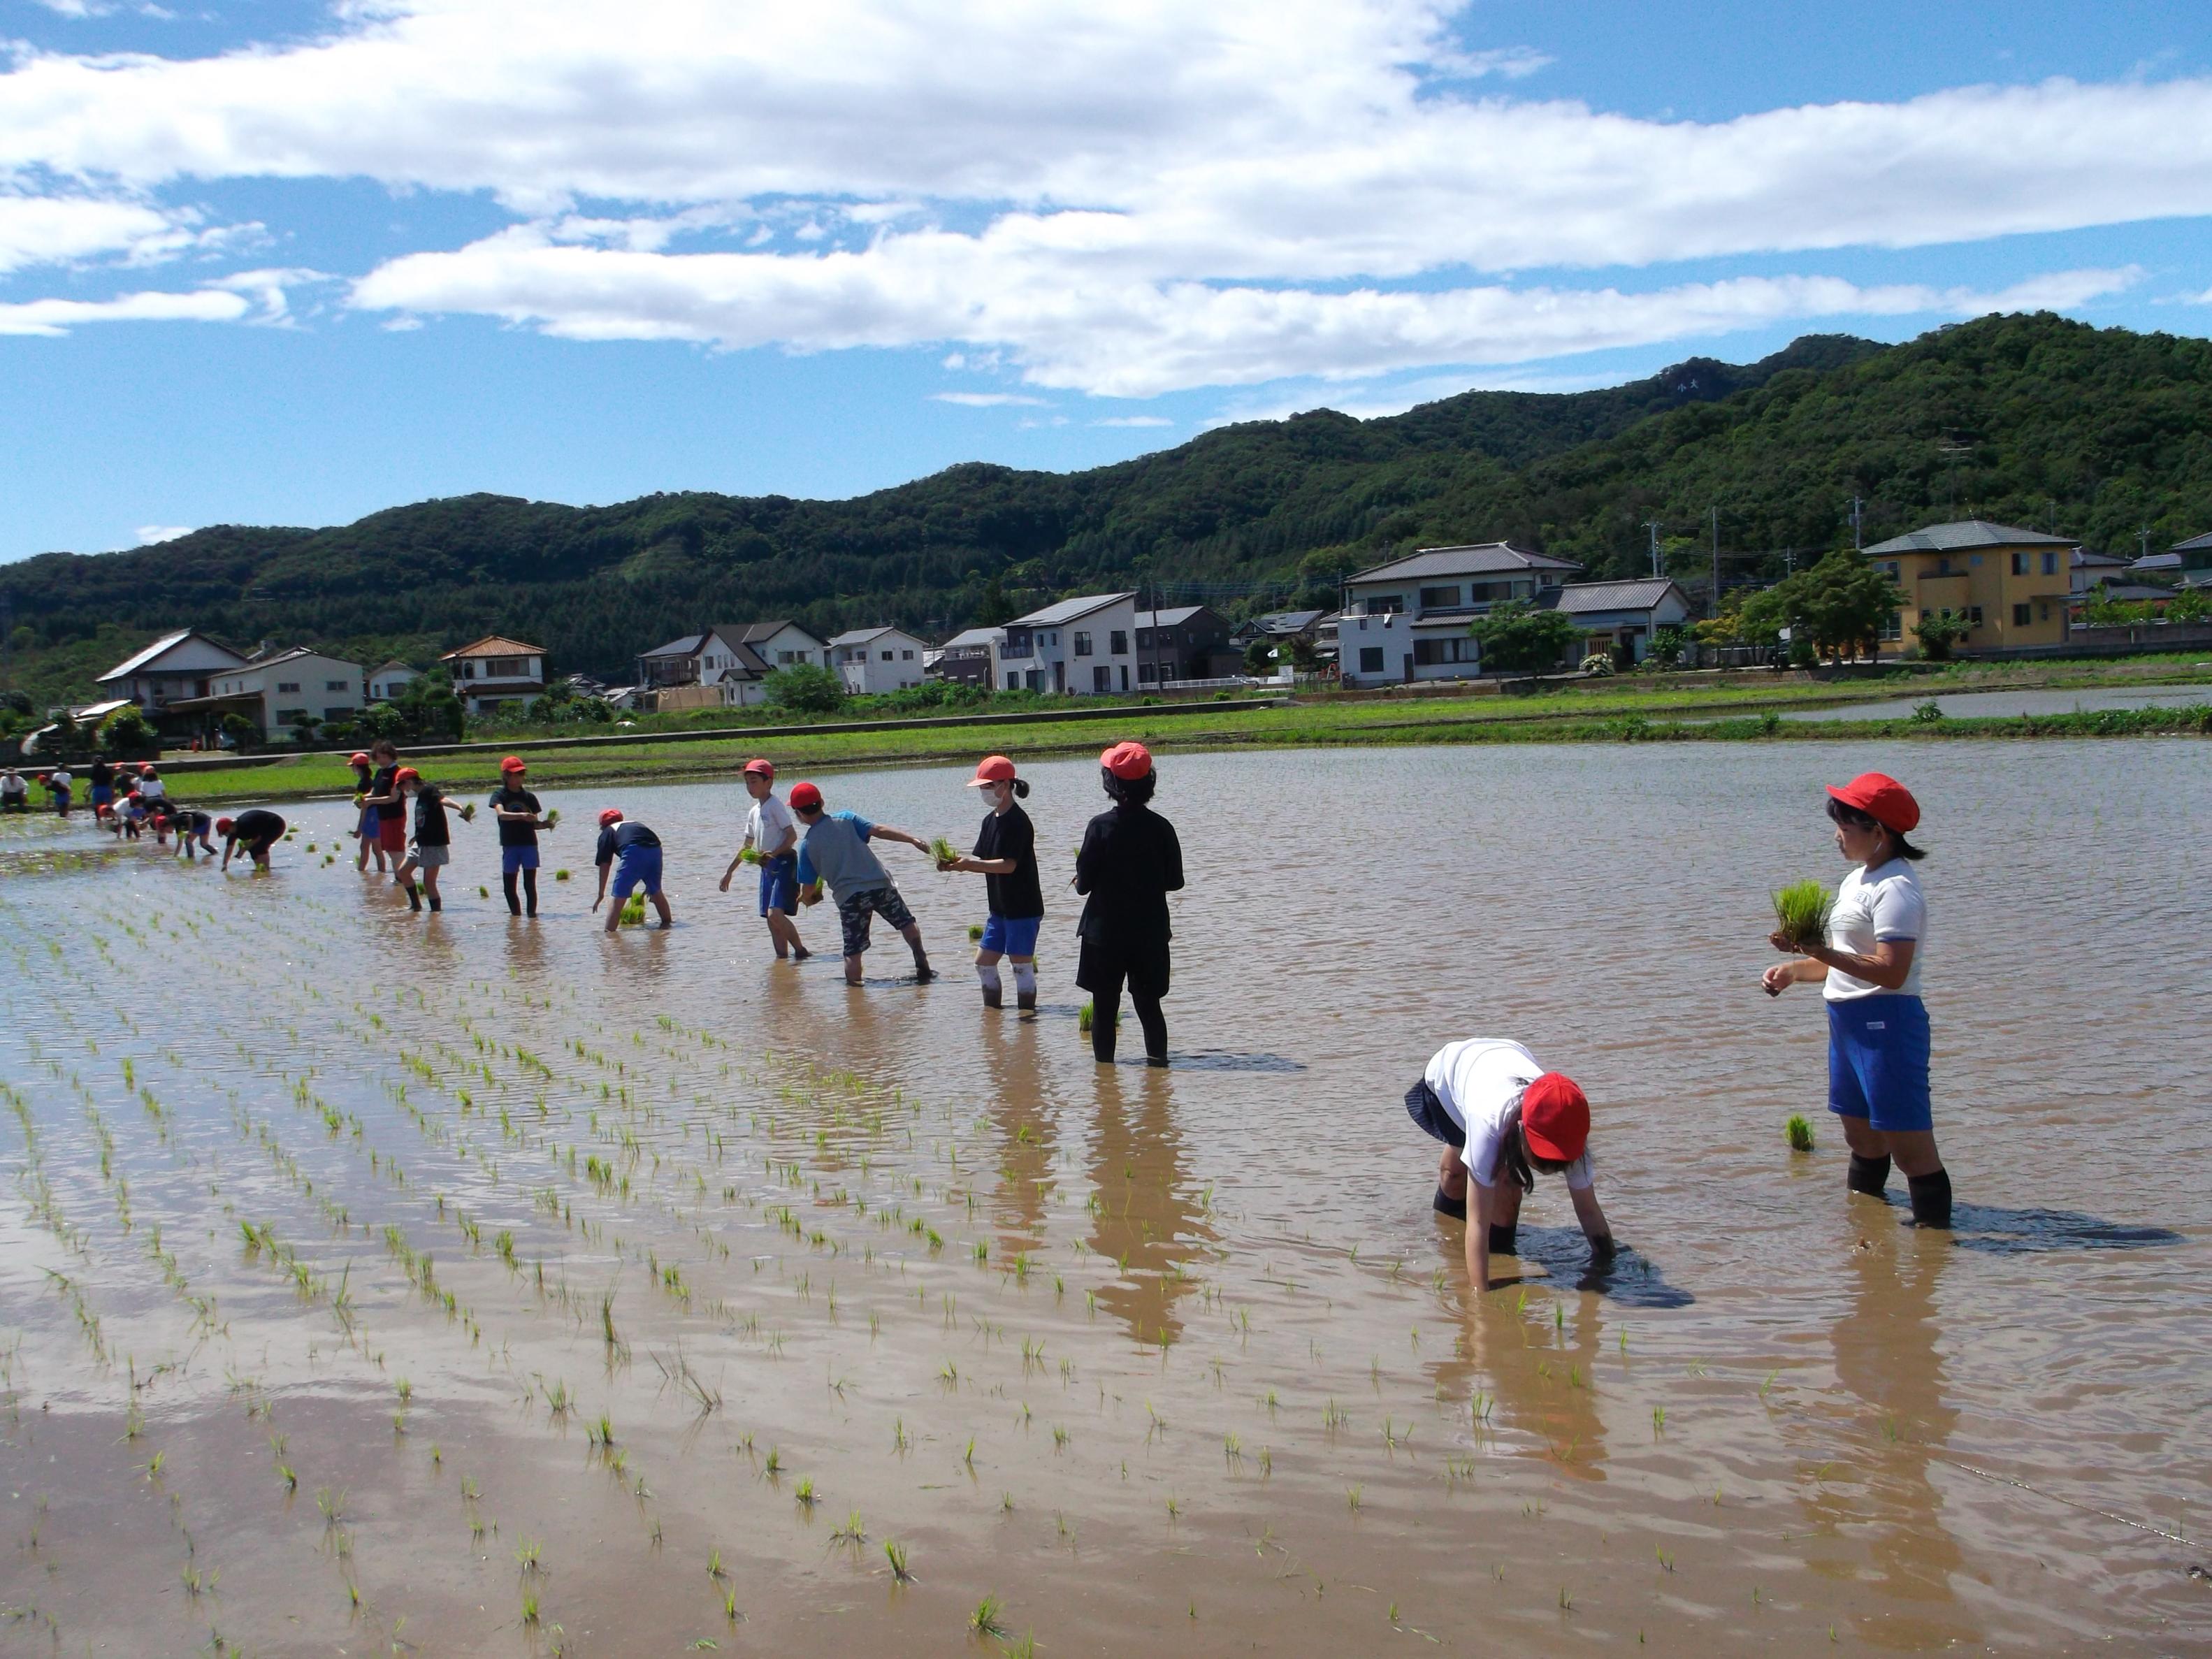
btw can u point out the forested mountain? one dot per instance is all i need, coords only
(2029, 419)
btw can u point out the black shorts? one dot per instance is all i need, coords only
(1426, 1110)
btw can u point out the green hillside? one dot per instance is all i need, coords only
(2030, 419)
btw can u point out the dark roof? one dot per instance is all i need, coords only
(1066, 611)
(1966, 533)
(2084, 558)
(1476, 559)
(692, 644)
(1173, 617)
(1638, 593)
(976, 636)
(2193, 544)
(1287, 622)
(132, 665)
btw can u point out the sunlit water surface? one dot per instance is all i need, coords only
(1164, 1361)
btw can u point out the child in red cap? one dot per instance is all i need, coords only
(1129, 863)
(632, 853)
(253, 831)
(517, 811)
(1495, 1109)
(1869, 969)
(1006, 857)
(772, 838)
(834, 851)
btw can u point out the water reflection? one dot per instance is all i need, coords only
(1148, 1215)
(1534, 1368)
(1023, 1115)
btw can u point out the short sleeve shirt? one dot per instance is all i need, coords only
(1872, 907)
(1478, 1082)
(431, 829)
(386, 783)
(836, 853)
(1018, 894)
(618, 838)
(512, 833)
(767, 824)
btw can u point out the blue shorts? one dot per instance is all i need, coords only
(512, 859)
(102, 794)
(779, 884)
(1878, 1061)
(636, 865)
(367, 825)
(1016, 936)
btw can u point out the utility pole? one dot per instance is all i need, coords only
(1857, 508)
(1653, 525)
(2143, 541)
(1715, 514)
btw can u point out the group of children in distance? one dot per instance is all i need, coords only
(127, 801)
(1501, 1116)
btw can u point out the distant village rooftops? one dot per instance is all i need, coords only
(494, 645)
(1068, 610)
(1967, 533)
(1476, 558)
(207, 654)
(1636, 594)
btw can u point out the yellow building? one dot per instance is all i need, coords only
(2008, 585)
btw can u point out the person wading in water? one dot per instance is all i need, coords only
(1130, 862)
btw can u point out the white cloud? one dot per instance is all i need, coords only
(1120, 196)
(57, 317)
(149, 534)
(56, 229)
(1135, 420)
(982, 399)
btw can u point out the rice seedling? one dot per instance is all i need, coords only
(527, 1554)
(852, 1532)
(715, 1569)
(1352, 1498)
(1025, 1648)
(530, 1607)
(1658, 1421)
(984, 1621)
(805, 1492)
(553, 819)
(974, 933)
(560, 875)
(1799, 1132)
(943, 851)
(291, 1480)
(1666, 1561)
(1800, 912)
(895, 1553)
(600, 1430)
(484, 892)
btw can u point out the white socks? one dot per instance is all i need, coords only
(989, 973)
(1025, 979)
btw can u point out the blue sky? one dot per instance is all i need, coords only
(275, 264)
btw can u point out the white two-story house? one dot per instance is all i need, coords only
(493, 671)
(177, 665)
(278, 692)
(783, 645)
(714, 664)
(1408, 620)
(1082, 645)
(876, 659)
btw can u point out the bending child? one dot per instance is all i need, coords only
(633, 853)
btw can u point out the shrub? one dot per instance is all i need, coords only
(1938, 631)
(1598, 662)
(806, 689)
(1517, 638)
(127, 734)
(1666, 645)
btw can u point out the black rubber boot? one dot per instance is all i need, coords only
(1502, 1240)
(436, 904)
(1453, 1207)
(1931, 1198)
(1026, 1002)
(414, 897)
(1870, 1176)
(993, 997)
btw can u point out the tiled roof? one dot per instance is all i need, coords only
(1286, 622)
(1638, 593)
(1477, 559)
(1068, 610)
(494, 645)
(1966, 533)
(2193, 544)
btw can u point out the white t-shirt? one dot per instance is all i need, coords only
(1872, 906)
(1479, 1081)
(767, 824)
(59, 779)
(153, 789)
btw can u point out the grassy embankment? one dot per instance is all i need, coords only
(1645, 712)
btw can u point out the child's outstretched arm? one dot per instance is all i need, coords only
(1596, 1228)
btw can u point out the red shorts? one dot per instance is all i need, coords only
(392, 835)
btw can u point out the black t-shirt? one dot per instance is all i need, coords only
(512, 833)
(620, 838)
(381, 784)
(102, 774)
(1010, 834)
(431, 829)
(256, 823)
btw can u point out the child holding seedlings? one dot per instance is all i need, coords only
(835, 851)
(772, 842)
(434, 839)
(1006, 857)
(390, 807)
(191, 825)
(633, 853)
(1869, 969)
(1497, 1110)
(364, 778)
(255, 830)
(517, 811)
(1130, 862)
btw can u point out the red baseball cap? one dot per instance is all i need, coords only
(359, 759)
(1129, 760)
(609, 814)
(407, 775)
(765, 767)
(1882, 799)
(223, 826)
(512, 764)
(805, 795)
(1555, 1117)
(992, 768)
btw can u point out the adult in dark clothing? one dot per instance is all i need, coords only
(632, 854)
(1130, 862)
(391, 807)
(256, 829)
(517, 811)
(103, 786)
(1006, 857)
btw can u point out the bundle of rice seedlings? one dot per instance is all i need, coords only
(1800, 1133)
(468, 812)
(1086, 1015)
(941, 849)
(632, 910)
(750, 854)
(1800, 912)
(484, 892)
(553, 818)
(974, 933)
(560, 875)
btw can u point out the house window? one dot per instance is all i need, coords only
(290, 716)
(1439, 598)
(786, 658)
(1456, 648)
(1125, 677)
(1013, 680)
(1895, 627)
(2050, 564)
(336, 714)
(1974, 617)
(2043, 611)
(2021, 614)
(887, 656)
(1102, 678)
(1117, 643)
(291, 686)
(1890, 570)
(1083, 648)
(2019, 564)
(906, 656)
(1384, 604)
(1144, 639)
(1370, 658)
(1146, 673)
(337, 685)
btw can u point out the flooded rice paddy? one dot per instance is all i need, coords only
(380, 1283)
(1957, 705)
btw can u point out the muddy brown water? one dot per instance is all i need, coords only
(1164, 1361)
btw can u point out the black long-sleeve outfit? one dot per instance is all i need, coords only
(1130, 862)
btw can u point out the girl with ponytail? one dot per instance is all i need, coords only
(1006, 857)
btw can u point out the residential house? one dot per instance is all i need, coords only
(784, 645)
(494, 672)
(715, 664)
(388, 680)
(175, 665)
(970, 657)
(2095, 569)
(2010, 584)
(871, 660)
(1408, 619)
(279, 691)
(1619, 617)
(2196, 555)
(1081, 645)
(1186, 642)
